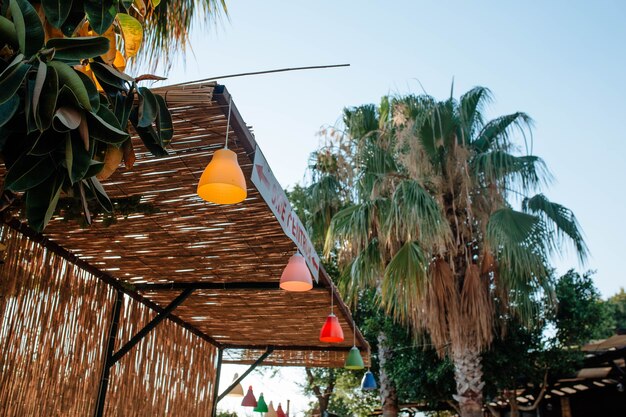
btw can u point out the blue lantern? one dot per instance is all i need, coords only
(368, 383)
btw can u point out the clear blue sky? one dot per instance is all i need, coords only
(563, 62)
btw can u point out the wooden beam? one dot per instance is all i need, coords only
(110, 343)
(216, 386)
(259, 361)
(229, 286)
(150, 326)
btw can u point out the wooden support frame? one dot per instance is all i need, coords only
(216, 387)
(151, 325)
(259, 361)
(112, 357)
(229, 286)
(110, 342)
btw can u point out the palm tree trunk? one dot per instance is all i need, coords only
(388, 393)
(468, 374)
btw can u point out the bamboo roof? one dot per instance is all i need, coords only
(234, 254)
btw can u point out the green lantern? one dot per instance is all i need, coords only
(261, 406)
(354, 359)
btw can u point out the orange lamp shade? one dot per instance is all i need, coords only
(249, 400)
(296, 275)
(331, 331)
(222, 181)
(279, 411)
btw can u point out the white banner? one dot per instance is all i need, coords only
(274, 196)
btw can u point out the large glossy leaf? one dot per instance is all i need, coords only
(66, 118)
(164, 121)
(56, 11)
(8, 109)
(123, 105)
(41, 201)
(104, 127)
(101, 14)
(77, 158)
(74, 18)
(79, 47)
(28, 171)
(7, 32)
(132, 32)
(92, 90)
(102, 197)
(148, 135)
(48, 141)
(31, 125)
(69, 77)
(109, 75)
(148, 107)
(11, 80)
(28, 27)
(40, 79)
(48, 99)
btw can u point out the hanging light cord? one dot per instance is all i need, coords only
(230, 104)
(332, 296)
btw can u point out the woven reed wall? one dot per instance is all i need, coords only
(53, 317)
(169, 373)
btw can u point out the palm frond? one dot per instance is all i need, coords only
(519, 242)
(496, 134)
(364, 272)
(404, 284)
(560, 222)
(520, 173)
(415, 215)
(351, 228)
(169, 24)
(471, 106)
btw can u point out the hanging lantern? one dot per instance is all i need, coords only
(279, 411)
(368, 383)
(354, 360)
(249, 400)
(331, 331)
(237, 391)
(222, 181)
(270, 411)
(296, 275)
(261, 406)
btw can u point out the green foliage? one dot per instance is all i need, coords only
(56, 125)
(617, 303)
(581, 314)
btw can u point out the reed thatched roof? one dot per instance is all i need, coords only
(234, 254)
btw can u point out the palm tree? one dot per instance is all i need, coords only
(431, 225)
(169, 24)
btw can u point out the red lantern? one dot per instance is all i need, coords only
(331, 331)
(249, 400)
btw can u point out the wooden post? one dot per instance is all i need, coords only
(110, 342)
(216, 387)
(566, 409)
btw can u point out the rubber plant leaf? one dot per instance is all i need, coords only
(148, 107)
(12, 79)
(56, 11)
(8, 109)
(28, 27)
(101, 14)
(104, 127)
(48, 99)
(70, 78)
(78, 48)
(28, 171)
(164, 121)
(8, 33)
(132, 32)
(41, 201)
